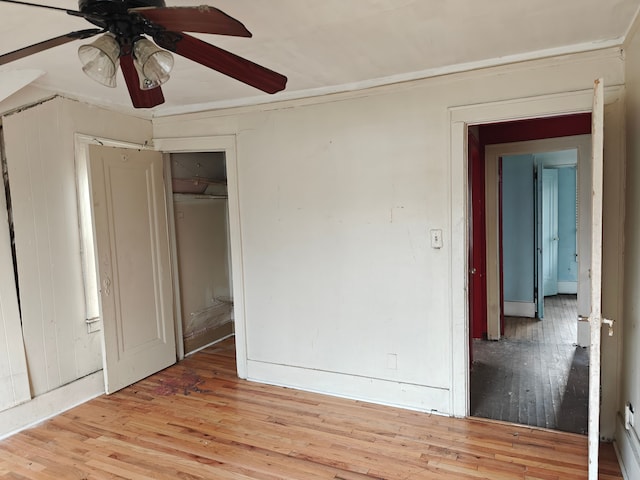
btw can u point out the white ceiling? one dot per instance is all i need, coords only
(327, 45)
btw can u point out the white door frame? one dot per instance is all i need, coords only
(460, 117)
(226, 144)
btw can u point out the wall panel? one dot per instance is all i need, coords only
(14, 381)
(40, 157)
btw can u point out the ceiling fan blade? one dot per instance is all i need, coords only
(38, 5)
(224, 62)
(202, 19)
(140, 98)
(52, 42)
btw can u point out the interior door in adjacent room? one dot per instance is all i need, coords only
(133, 263)
(549, 232)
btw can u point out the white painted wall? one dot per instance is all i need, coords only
(628, 440)
(343, 292)
(40, 155)
(203, 261)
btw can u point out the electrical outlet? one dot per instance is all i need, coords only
(392, 361)
(436, 238)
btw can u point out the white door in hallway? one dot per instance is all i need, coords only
(595, 317)
(549, 232)
(132, 256)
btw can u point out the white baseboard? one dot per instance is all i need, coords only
(50, 404)
(520, 309)
(628, 449)
(374, 390)
(568, 287)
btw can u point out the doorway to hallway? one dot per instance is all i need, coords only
(524, 369)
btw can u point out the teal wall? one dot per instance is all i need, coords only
(518, 225)
(518, 228)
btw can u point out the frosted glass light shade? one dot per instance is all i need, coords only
(152, 63)
(100, 59)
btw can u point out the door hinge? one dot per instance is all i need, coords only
(609, 323)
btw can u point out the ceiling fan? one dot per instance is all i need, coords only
(125, 26)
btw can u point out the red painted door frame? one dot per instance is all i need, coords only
(501, 277)
(477, 241)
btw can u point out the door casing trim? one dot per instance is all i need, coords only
(226, 144)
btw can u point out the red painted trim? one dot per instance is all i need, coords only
(477, 241)
(535, 129)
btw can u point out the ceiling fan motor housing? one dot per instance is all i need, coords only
(107, 7)
(114, 16)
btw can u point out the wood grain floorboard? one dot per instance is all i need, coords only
(535, 375)
(197, 420)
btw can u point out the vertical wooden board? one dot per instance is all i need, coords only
(78, 351)
(56, 226)
(36, 327)
(595, 318)
(14, 380)
(37, 219)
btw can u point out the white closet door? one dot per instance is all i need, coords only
(132, 251)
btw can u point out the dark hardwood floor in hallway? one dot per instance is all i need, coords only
(536, 374)
(197, 420)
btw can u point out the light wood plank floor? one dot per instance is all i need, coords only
(196, 420)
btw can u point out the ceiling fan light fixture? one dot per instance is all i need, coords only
(144, 82)
(152, 63)
(100, 59)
